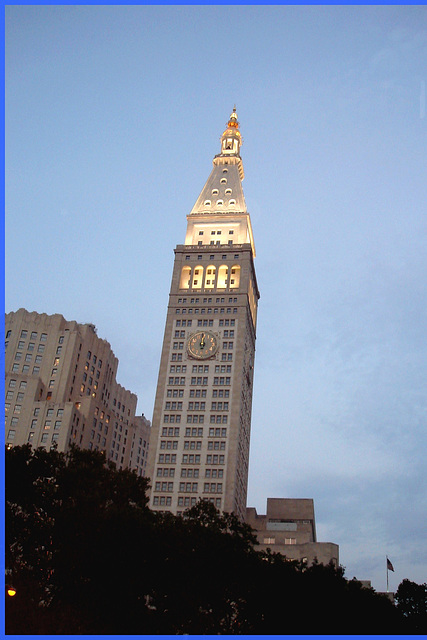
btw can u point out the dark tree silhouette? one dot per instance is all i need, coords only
(412, 603)
(87, 556)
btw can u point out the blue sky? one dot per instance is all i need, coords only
(113, 116)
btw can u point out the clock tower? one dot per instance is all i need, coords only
(199, 445)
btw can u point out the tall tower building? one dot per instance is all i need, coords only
(199, 445)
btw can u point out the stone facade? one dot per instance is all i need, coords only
(289, 528)
(202, 412)
(61, 389)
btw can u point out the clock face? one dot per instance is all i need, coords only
(202, 344)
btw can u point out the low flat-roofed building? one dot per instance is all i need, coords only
(289, 528)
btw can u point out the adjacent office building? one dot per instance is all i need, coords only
(289, 528)
(61, 389)
(202, 415)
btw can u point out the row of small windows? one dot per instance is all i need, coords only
(212, 257)
(189, 487)
(44, 437)
(169, 472)
(33, 335)
(195, 432)
(220, 278)
(205, 301)
(194, 393)
(191, 445)
(191, 458)
(196, 311)
(166, 501)
(205, 323)
(196, 406)
(170, 418)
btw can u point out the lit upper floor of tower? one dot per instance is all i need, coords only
(220, 216)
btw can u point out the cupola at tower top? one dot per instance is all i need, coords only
(231, 139)
(220, 209)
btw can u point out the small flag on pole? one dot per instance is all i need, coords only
(389, 565)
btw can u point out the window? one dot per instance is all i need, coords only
(11, 434)
(269, 541)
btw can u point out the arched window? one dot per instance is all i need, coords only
(222, 276)
(184, 283)
(234, 277)
(232, 203)
(197, 277)
(210, 276)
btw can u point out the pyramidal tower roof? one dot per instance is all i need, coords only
(223, 193)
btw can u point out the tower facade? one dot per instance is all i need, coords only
(199, 445)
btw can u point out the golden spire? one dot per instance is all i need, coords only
(233, 119)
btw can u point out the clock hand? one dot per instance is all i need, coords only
(202, 341)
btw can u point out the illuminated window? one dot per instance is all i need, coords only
(185, 278)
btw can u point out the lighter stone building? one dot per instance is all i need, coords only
(289, 528)
(61, 389)
(202, 414)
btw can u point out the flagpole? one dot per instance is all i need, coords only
(386, 564)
